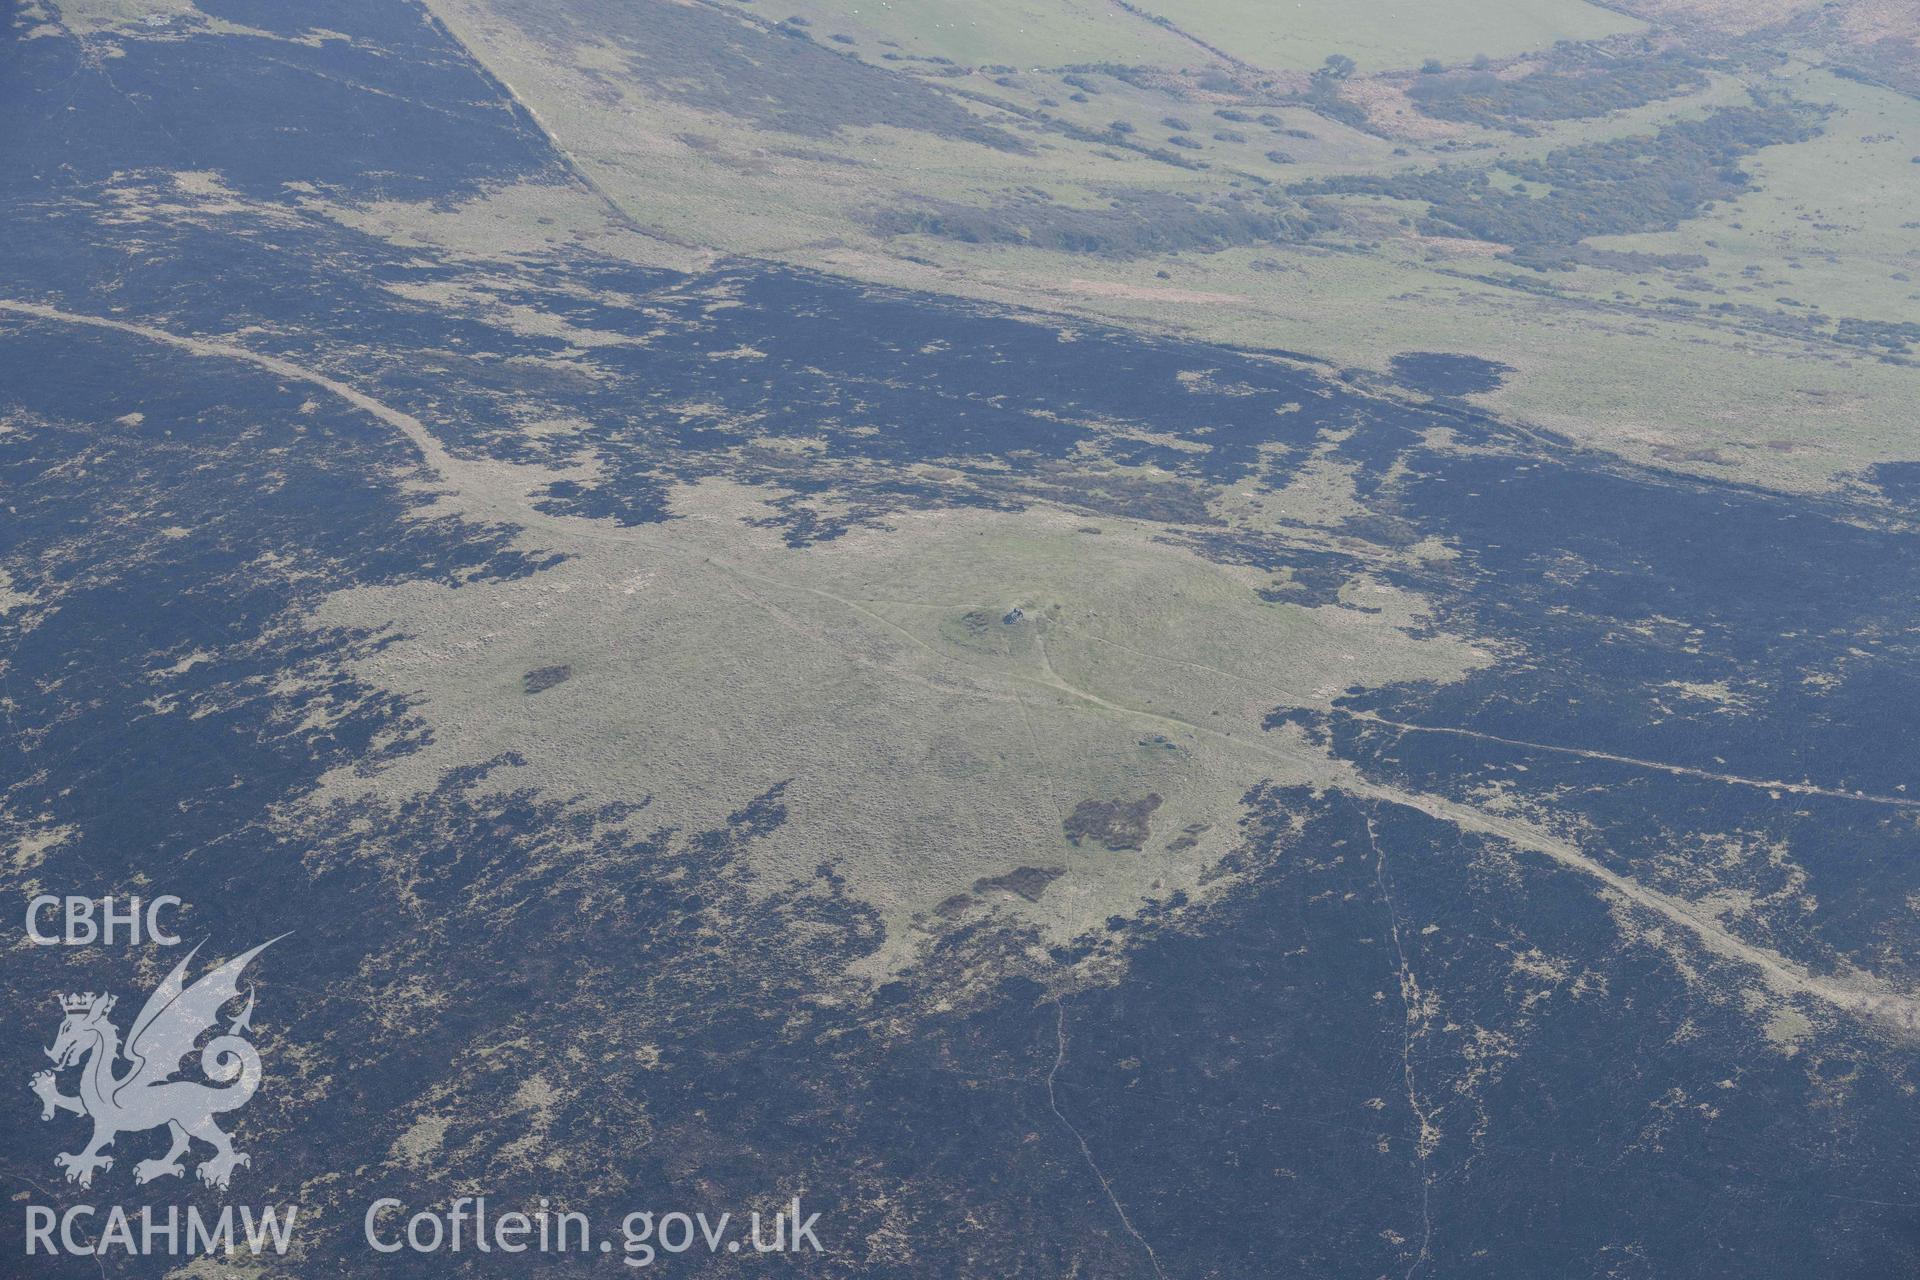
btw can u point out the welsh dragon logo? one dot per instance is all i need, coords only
(148, 1094)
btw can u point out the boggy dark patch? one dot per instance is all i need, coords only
(1116, 824)
(1441, 373)
(540, 679)
(1027, 882)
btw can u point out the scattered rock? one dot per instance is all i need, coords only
(1189, 836)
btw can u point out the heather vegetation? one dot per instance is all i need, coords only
(1645, 183)
(1141, 224)
(1584, 87)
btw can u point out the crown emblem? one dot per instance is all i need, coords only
(147, 1094)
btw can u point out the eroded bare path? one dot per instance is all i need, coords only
(1678, 770)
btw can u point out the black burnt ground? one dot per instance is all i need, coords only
(1388, 1046)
